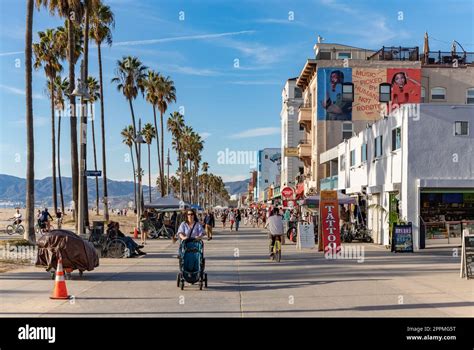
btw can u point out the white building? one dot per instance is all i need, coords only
(291, 133)
(418, 162)
(268, 171)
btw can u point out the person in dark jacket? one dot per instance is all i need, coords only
(209, 223)
(238, 218)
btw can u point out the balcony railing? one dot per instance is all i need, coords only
(396, 53)
(448, 58)
(329, 183)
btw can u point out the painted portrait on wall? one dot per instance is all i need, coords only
(406, 85)
(330, 104)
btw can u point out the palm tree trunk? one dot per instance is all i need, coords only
(95, 161)
(134, 179)
(181, 178)
(84, 108)
(162, 169)
(53, 148)
(157, 148)
(102, 121)
(73, 122)
(59, 164)
(134, 127)
(30, 148)
(149, 174)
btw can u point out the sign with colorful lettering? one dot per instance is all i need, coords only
(287, 193)
(402, 238)
(329, 221)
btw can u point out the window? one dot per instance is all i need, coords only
(266, 181)
(301, 127)
(343, 55)
(301, 170)
(423, 94)
(342, 163)
(363, 153)
(396, 138)
(346, 131)
(461, 128)
(470, 96)
(438, 93)
(353, 157)
(298, 93)
(266, 156)
(324, 55)
(378, 146)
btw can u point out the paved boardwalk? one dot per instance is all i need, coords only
(243, 282)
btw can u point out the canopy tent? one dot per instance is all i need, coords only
(167, 202)
(197, 207)
(341, 197)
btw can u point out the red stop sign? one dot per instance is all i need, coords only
(287, 192)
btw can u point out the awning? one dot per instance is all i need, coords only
(342, 198)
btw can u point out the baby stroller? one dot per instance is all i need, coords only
(191, 263)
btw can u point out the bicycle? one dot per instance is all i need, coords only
(276, 251)
(15, 228)
(163, 231)
(43, 228)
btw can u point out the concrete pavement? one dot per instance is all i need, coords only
(243, 282)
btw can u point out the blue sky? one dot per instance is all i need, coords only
(233, 108)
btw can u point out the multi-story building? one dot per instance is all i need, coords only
(417, 166)
(268, 171)
(291, 134)
(329, 116)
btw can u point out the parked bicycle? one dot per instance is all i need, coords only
(157, 231)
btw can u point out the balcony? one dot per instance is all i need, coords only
(447, 59)
(329, 183)
(396, 53)
(304, 115)
(304, 149)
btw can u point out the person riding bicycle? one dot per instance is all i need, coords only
(275, 225)
(17, 217)
(44, 219)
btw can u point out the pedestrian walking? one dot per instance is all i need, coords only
(209, 223)
(231, 219)
(238, 218)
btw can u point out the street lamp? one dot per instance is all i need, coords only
(168, 163)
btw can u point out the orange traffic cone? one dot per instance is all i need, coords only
(60, 290)
(135, 233)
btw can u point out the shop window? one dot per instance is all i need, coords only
(470, 96)
(461, 128)
(353, 158)
(378, 146)
(438, 93)
(396, 138)
(363, 153)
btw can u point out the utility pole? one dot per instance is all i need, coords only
(168, 163)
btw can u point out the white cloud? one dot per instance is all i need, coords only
(11, 53)
(255, 82)
(204, 135)
(256, 133)
(17, 91)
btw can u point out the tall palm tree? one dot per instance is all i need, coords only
(130, 79)
(175, 126)
(151, 82)
(48, 54)
(166, 94)
(128, 135)
(93, 89)
(102, 21)
(72, 11)
(30, 144)
(149, 133)
(61, 86)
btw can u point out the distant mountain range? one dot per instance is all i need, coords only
(13, 191)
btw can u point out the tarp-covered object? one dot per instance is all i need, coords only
(77, 253)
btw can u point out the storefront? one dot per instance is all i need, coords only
(445, 213)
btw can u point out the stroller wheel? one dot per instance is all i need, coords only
(182, 284)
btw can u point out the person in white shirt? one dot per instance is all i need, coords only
(17, 217)
(275, 225)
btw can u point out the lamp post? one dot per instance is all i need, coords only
(168, 163)
(139, 139)
(81, 91)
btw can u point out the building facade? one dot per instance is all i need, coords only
(268, 171)
(291, 134)
(416, 165)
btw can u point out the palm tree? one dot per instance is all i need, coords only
(175, 126)
(130, 79)
(101, 22)
(72, 11)
(151, 83)
(128, 135)
(48, 54)
(165, 93)
(30, 144)
(149, 133)
(61, 86)
(93, 87)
